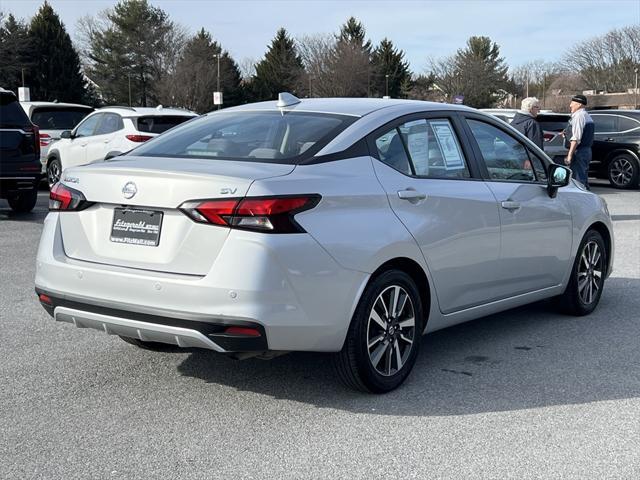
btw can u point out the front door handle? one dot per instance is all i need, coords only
(411, 195)
(510, 205)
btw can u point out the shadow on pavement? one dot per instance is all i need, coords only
(529, 357)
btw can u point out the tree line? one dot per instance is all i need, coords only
(134, 54)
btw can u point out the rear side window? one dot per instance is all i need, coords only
(111, 122)
(424, 148)
(58, 118)
(11, 113)
(605, 123)
(269, 136)
(160, 124)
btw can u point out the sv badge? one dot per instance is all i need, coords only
(228, 191)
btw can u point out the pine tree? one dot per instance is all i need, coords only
(15, 53)
(56, 73)
(350, 64)
(196, 75)
(281, 70)
(132, 51)
(387, 60)
(481, 71)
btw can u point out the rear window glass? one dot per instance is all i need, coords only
(59, 118)
(271, 136)
(160, 124)
(553, 123)
(11, 113)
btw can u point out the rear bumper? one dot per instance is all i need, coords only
(12, 185)
(160, 326)
(285, 285)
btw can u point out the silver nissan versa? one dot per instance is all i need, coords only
(349, 226)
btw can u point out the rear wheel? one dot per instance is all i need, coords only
(583, 292)
(384, 336)
(24, 202)
(623, 171)
(54, 169)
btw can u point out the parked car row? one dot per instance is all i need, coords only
(616, 146)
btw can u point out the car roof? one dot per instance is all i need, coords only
(147, 111)
(357, 107)
(629, 113)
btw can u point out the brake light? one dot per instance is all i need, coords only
(549, 136)
(45, 139)
(139, 138)
(261, 214)
(63, 198)
(36, 138)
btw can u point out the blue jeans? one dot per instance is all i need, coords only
(580, 165)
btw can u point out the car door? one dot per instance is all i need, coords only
(75, 152)
(423, 168)
(536, 230)
(103, 138)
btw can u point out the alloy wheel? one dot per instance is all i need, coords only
(590, 272)
(391, 330)
(621, 171)
(53, 173)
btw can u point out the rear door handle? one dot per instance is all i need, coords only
(510, 205)
(411, 195)
(609, 139)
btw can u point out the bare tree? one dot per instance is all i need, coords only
(317, 53)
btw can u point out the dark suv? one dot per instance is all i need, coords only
(616, 147)
(19, 155)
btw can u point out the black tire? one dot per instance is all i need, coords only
(153, 346)
(623, 171)
(355, 363)
(24, 202)
(54, 170)
(578, 298)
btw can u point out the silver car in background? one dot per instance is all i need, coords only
(350, 226)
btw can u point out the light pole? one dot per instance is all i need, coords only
(386, 81)
(217, 55)
(635, 91)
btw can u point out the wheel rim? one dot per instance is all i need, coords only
(391, 330)
(621, 171)
(53, 173)
(590, 272)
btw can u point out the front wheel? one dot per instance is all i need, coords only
(623, 171)
(583, 292)
(54, 170)
(383, 340)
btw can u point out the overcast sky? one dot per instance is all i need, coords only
(525, 30)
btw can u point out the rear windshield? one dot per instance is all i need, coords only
(251, 136)
(160, 124)
(553, 123)
(48, 118)
(11, 113)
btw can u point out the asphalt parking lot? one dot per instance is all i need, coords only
(527, 393)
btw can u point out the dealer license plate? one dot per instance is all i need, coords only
(136, 227)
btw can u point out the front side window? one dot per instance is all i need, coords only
(424, 148)
(504, 157)
(287, 137)
(87, 127)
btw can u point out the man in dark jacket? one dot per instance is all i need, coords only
(525, 121)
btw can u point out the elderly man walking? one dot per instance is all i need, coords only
(581, 129)
(525, 121)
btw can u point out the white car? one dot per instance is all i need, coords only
(53, 118)
(332, 225)
(109, 132)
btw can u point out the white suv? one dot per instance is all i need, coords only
(109, 132)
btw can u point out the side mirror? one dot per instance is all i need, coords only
(66, 134)
(559, 176)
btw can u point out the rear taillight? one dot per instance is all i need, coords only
(549, 136)
(139, 138)
(260, 214)
(36, 138)
(63, 198)
(45, 139)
